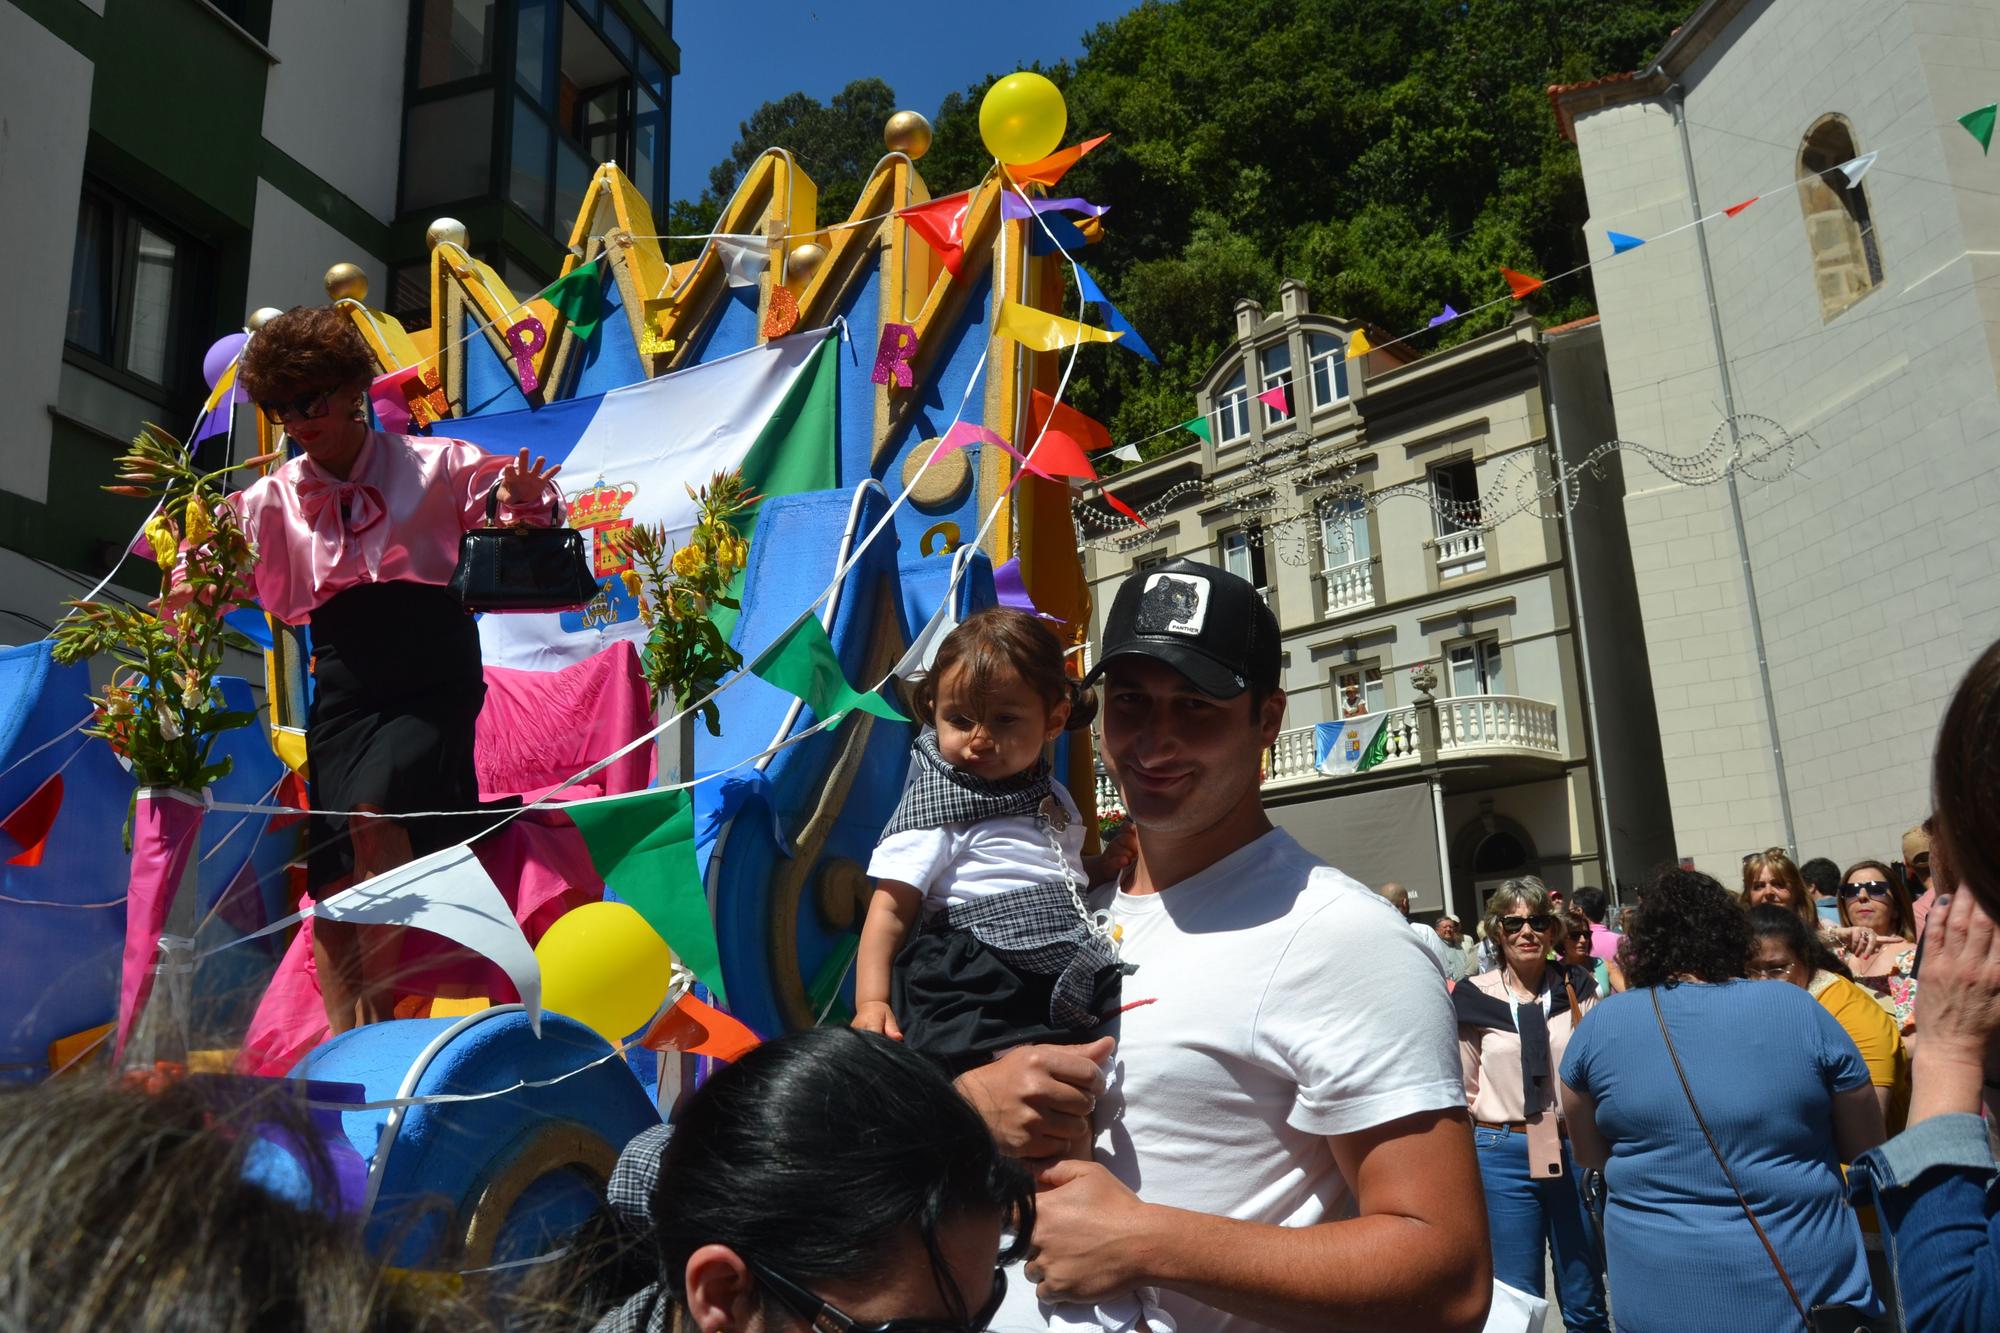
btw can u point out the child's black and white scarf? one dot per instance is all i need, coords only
(939, 794)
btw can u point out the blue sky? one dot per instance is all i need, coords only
(736, 56)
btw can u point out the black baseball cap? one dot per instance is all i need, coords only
(1204, 622)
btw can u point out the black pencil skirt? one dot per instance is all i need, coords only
(397, 687)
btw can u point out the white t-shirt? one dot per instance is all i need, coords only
(1277, 1002)
(956, 863)
(1434, 942)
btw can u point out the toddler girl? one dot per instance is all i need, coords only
(977, 938)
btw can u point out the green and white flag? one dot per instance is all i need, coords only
(1351, 745)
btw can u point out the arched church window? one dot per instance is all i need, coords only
(1847, 261)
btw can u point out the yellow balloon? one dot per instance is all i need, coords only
(1022, 118)
(605, 967)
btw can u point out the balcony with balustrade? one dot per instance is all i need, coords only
(1499, 735)
(1462, 552)
(1345, 589)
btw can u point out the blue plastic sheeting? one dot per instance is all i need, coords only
(491, 384)
(58, 963)
(443, 1157)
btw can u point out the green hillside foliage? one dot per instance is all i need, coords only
(1391, 154)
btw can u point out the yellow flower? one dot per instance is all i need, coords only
(159, 533)
(197, 526)
(631, 582)
(689, 561)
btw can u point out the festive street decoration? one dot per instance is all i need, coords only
(782, 316)
(802, 663)
(1051, 169)
(1044, 332)
(1855, 168)
(744, 258)
(1359, 345)
(1622, 241)
(1445, 316)
(1734, 209)
(1275, 399)
(604, 966)
(941, 225)
(32, 820)
(578, 297)
(1520, 284)
(1017, 209)
(524, 339)
(1979, 124)
(1113, 318)
(643, 846)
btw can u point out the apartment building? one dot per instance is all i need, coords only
(1406, 519)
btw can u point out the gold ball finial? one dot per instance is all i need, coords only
(805, 262)
(907, 133)
(261, 316)
(346, 282)
(443, 230)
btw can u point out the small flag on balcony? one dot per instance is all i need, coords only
(1351, 745)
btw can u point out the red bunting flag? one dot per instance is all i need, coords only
(31, 821)
(1050, 169)
(699, 1029)
(1275, 400)
(1088, 433)
(941, 223)
(1124, 508)
(1734, 209)
(293, 795)
(1521, 284)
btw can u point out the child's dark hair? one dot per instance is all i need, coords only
(1002, 641)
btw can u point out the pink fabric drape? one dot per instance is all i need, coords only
(164, 827)
(538, 728)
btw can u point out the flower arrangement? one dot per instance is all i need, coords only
(160, 711)
(678, 588)
(1424, 677)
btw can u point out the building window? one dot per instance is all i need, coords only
(135, 288)
(1474, 667)
(1461, 541)
(454, 40)
(1233, 408)
(1326, 356)
(1358, 689)
(1847, 263)
(1347, 579)
(1277, 372)
(1243, 556)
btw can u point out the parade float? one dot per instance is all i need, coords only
(795, 459)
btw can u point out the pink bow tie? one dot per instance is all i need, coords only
(355, 502)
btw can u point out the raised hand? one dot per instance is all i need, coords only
(522, 482)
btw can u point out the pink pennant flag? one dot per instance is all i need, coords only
(963, 433)
(1275, 400)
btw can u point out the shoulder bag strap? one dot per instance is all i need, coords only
(1575, 1009)
(1727, 1174)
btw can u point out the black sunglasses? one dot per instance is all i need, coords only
(822, 1316)
(306, 407)
(1541, 921)
(1874, 888)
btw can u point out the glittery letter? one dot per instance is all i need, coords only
(524, 340)
(783, 315)
(892, 355)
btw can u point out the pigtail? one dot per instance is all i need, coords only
(1082, 706)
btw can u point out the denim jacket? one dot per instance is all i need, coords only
(1934, 1186)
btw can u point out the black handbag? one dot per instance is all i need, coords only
(520, 568)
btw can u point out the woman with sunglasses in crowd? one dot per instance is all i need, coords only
(356, 536)
(829, 1179)
(1694, 1085)
(1514, 1023)
(1771, 878)
(1873, 898)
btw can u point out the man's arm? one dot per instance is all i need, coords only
(1037, 1100)
(1416, 1258)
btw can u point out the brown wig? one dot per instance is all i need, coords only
(1780, 865)
(1965, 787)
(1000, 642)
(306, 350)
(1905, 922)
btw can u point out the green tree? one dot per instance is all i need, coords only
(1391, 156)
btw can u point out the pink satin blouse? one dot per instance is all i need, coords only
(397, 517)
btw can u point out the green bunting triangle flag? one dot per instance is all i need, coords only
(802, 663)
(643, 846)
(1199, 426)
(1979, 124)
(579, 298)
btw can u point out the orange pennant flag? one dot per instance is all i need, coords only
(1734, 209)
(699, 1029)
(1521, 284)
(1049, 170)
(1089, 433)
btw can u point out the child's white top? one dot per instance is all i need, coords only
(956, 863)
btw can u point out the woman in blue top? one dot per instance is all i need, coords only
(1782, 1089)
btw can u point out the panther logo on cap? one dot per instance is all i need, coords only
(1172, 604)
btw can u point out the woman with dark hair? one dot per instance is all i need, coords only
(1709, 1103)
(1873, 898)
(1513, 1026)
(829, 1179)
(1782, 949)
(1934, 1183)
(357, 536)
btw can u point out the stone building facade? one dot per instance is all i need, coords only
(1403, 514)
(1805, 634)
